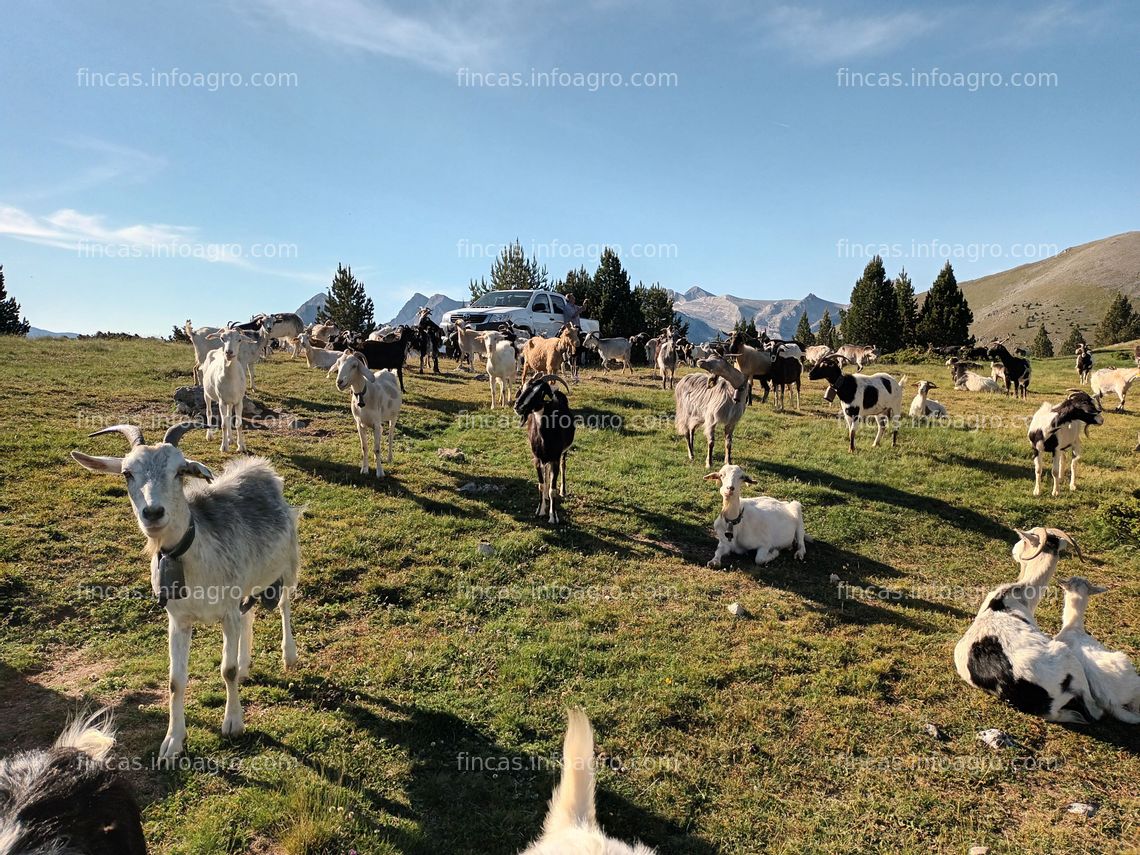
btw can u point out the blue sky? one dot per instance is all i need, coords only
(760, 165)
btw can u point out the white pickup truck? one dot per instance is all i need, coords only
(539, 312)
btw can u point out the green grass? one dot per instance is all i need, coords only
(433, 680)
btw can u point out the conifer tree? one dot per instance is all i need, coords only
(347, 305)
(618, 311)
(1069, 345)
(1042, 344)
(826, 333)
(945, 317)
(803, 331)
(873, 316)
(512, 271)
(11, 323)
(1120, 322)
(657, 309)
(908, 308)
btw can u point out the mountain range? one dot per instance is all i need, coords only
(709, 314)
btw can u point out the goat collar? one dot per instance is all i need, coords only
(171, 574)
(732, 523)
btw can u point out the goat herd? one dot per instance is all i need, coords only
(219, 545)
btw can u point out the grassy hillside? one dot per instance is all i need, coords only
(430, 694)
(1074, 286)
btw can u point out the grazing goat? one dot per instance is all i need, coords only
(667, 361)
(708, 400)
(375, 404)
(785, 371)
(1115, 380)
(1059, 429)
(752, 361)
(388, 355)
(215, 549)
(610, 350)
(317, 357)
(1112, 677)
(759, 524)
(817, 352)
(860, 355)
(550, 428)
(1018, 371)
(68, 800)
(862, 396)
(1005, 653)
(223, 383)
(571, 824)
(502, 366)
(1084, 363)
(922, 406)
(543, 355)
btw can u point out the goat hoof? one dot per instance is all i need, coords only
(171, 748)
(233, 726)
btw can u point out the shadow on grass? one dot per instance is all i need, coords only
(1005, 470)
(33, 716)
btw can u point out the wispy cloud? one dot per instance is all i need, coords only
(107, 162)
(436, 36)
(1036, 26)
(817, 35)
(89, 235)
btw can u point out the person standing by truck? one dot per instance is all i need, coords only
(574, 316)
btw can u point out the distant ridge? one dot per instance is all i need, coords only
(36, 332)
(709, 314)
(438, 303)
(308, 310)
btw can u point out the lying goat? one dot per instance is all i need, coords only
(760, 524)
(215, 549)
(923, 407)
(1059, 429)
(68, 800)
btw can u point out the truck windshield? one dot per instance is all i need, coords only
(503, 299)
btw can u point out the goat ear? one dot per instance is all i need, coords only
(213, 336)
(748, 479)
(713, 476)
(103, 465)
(1096, 589)
(194, 469)
(1028, 536)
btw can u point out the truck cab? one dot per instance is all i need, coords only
(539, 311)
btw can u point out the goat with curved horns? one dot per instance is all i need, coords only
(215, 549)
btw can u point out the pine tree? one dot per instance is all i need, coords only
(657, 309)
(1069, 346)
(10, 321)
(803, 331)
(619, 313)
(179, 334)
(873, 316)
(826, 333)
(908, 308)
(513, 271)
(945, 317)
(348, 306)
(581, 284)
(1120, 322)
(1042, 344)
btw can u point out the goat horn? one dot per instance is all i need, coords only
(1042, 534)
(556, 379)
(175, 432)
(133, 433)
(1065, 537)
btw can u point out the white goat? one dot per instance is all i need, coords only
(571, 826)
(376, 401)
(921, 406)
(1112, 677)
(468, 343)
(202, 344)
(317, 357)
(502, 366)
(708, 400)
(223, 383)
(817, 352)
(1115, 380)
(610, 350)
(1037, 552)
(1059, 429)
(215, 549)
(759, 524)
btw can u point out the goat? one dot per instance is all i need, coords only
(782, 346)
(468, 344)
(68, 800)
(651, 345)
(1037, 552)
(861, 395)
(860, 355)
(785, 371)
(323, 332)
(968, 381)
(752, 361)
(215, 549)
(223, 383)
(431, 338)
(1084, 363)
(1113, 681)
(387, 355)
(1018, 371)
(708, 400)
(1057, 429)
(502, 365)
(283, 326)
(202, 344)
(667, 361)
(1115, 380)
(376, 402)
(759, 524)
(543, 355)
(610, 350)
(1005, 653)
(571, 824)
(817, 352)
(317, 357)
(550, 428)
(922, 406)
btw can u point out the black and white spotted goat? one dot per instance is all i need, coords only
(549, 424)
(1059, 429)
(67, 800)
(877, 396)
(215, 549)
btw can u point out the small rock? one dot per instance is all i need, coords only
(834, 579)
(996, 738)
(485, 548)
(452, 454)
(978, 850)
(1082, 809)
(737, 610)
(934, 732)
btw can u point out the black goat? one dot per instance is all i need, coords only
(1017, 370)
(550, 429)
(67, 800)
(785, 371)
(388, 354)
(431, 339)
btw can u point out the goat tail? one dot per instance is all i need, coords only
(92, 734)
(572, 804)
